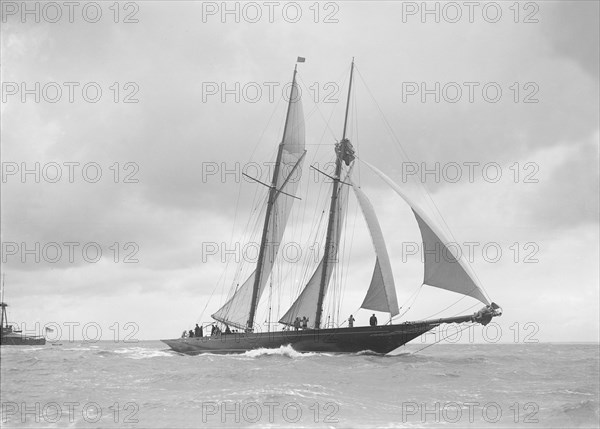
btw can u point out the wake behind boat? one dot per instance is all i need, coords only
(240, 310)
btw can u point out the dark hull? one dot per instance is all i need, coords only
(21, 340)
(379, 339)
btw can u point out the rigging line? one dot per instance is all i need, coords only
(467, 309)
(338, 277)
(321, 113)
(419, 183)
(308, 268)
(351, 244)
(317, 228)
(338, 274)
(443, 338)
(300, 216)
(275, 109)
(226, 268)
(247, 238)
(236, 215)
(221, 279)
(355, 125)
(409, 302)
(249, 234)
(444, 309)
(412, 297)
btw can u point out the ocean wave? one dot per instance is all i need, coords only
(32, 349)
(141, 353)
(369, 353)
(286, 351)
(581, 413)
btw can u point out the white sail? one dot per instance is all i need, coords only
(306, 303)
(442, 270)
(381, 295)
(237, 309)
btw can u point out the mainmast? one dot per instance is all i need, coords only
(270, 202)
(341, 149)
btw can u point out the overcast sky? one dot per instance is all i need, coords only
(161, 132)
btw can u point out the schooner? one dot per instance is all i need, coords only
(239, 311)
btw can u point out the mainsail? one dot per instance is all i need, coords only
(381, 295)
(442, 268)
(307, 303)
(238, 309)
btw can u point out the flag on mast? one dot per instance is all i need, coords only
(300, 60)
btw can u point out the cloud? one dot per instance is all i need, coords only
(175, 131)
(573, 31)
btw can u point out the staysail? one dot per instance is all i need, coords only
(381, 295)
(442, 269)
(235, 310)
(306, 304)
(238, 308)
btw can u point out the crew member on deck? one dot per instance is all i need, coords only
(304, 323)
(351, 321)
(191, 334)
(297, 323)
(373, 320)
(197, 331)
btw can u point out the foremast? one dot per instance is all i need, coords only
(269, 211)
(342, 148)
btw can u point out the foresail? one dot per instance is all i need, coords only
(442, 268)
(236, 311)
(381, 295)
(306, 303)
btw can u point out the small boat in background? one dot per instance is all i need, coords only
(10, 336)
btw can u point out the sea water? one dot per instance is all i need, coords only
(145, 385)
